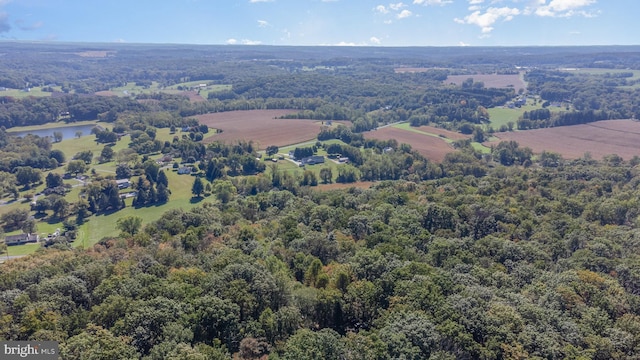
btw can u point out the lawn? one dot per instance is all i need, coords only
(132, 89)
(101, 226)
(20, 94)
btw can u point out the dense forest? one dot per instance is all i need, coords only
(536, 262)
(496, 254)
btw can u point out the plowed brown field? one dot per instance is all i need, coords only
(600, 138)
(433, 148)
(260, 126)
(490, 81)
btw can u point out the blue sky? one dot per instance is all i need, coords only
(325, 22)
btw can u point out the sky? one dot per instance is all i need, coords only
(325, 22)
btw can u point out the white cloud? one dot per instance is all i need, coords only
(562, 8)
(250, 42)
(233, 41)
(461, 43)
(432, 2)
(263, 23)
(396, 6)
(381, 9)
(404, 14)
(475, 2)
(486, 20)
(259, 1)
(375, 40)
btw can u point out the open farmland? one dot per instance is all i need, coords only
(260, 126)
(490, 80)
(452, 135)
(600, 138)
(432, 147)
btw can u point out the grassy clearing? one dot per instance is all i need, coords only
(408, 127)
(19, 250)
(500, 116)
(20, 94)
(133, 89)
(100, 226)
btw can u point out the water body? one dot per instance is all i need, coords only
(68, 132)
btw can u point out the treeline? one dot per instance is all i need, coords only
(37, 111)
(540, 120)
(585, 94)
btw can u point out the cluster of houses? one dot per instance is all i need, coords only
(309, 160)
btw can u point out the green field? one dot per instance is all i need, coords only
(406, 126)
(132, 89)
(34, 91)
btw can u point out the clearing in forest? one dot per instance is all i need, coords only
(429, 145)
(491, 80)
(260, 126)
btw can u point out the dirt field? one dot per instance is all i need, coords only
(261, 127)
(490, 81)
(600, 138)
(431, 147)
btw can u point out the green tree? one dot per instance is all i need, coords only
(271, 150)
(60, 206)
(326, 175)
(224, 190)
(107, 154)
(27, 176)
(86, 156)
(309, 345)
(53, 180)
(76, 167)
(58, 155)
(198, 187)
(162, 179)
(57, 136)
(129, 225)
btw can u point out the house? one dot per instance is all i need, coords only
(184, 170)
(311, 160)
(123, 183)
(21, 239)
(165, 160)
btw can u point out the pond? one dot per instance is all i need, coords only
(68, 132)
